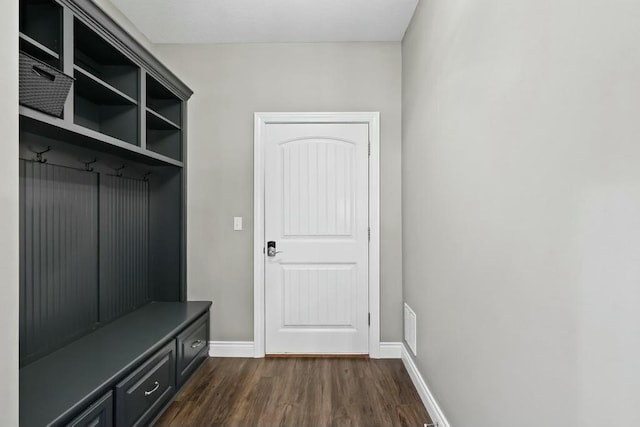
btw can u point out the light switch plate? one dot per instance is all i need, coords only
(237, 223)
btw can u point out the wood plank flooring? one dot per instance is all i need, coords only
(298, 392)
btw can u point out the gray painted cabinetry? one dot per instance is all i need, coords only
(59, 387)
(192, 347)
(99, 414)
(106, 336)
(142, 393)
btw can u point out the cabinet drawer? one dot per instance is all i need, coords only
(193, 346)
(147, 389)
(99, 414)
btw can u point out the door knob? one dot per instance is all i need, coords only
(271, 248)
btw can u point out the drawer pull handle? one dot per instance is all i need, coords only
(196, 344)
(156, 386)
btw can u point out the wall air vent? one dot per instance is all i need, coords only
(410, 328)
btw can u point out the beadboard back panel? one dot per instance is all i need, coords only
(124, 245)
(84, 253)
(59, 256)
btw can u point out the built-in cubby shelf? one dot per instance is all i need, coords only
(106, 87)
(54, 128)
(39, 51)
(41, 30)
(119, 121)
(165, 142)
(108, 110)
(164, 120)
(163, 102)
(99, 90)
(102, 60)
(159, 122)
(40, 21)
(102, 200)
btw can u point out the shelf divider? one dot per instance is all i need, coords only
(166, 123)
(39, 45)
(106, 86)
(67, 62)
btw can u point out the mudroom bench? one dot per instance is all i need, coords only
(123, 374)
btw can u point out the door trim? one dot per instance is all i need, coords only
(260, 121)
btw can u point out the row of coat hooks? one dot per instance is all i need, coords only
(87, 164)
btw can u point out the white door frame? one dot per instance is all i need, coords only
(260, 121)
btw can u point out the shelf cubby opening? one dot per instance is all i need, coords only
(100, 59)
(98, 90)
(116, 119)
(106, 87)
(41, 25)
(164, 120)
(167, 142)
(163, 102)
(159, 122)
(39, 51)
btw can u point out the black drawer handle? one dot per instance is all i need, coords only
(196, 344)
(153, 390)
(43, 73)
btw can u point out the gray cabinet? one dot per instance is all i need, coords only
(134, 357)
(99, 414)
(123, 101)
(142, 394)
(193, 348)
(40, 30)
(106, 335)
(116, 157)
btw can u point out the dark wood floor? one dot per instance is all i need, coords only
(298, 392)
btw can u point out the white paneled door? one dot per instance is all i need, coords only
(316, 229)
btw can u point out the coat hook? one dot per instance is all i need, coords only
(146, 176)
(39, 154)
(87, 165)
(118, 170)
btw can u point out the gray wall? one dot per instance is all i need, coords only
(231, 82)
(521, 209)
(9, 213)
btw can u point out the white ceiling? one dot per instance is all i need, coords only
(266, 21)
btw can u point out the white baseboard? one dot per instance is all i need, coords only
(437, 416)
(387, 350)
(231, 348)
(390, 350)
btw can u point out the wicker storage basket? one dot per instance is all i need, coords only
(42, 87)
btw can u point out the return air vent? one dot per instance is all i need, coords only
(410, 328)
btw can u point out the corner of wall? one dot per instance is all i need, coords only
(9, 223)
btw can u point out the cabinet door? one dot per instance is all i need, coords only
(99, 414)
(193, 348)
(140, 396)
